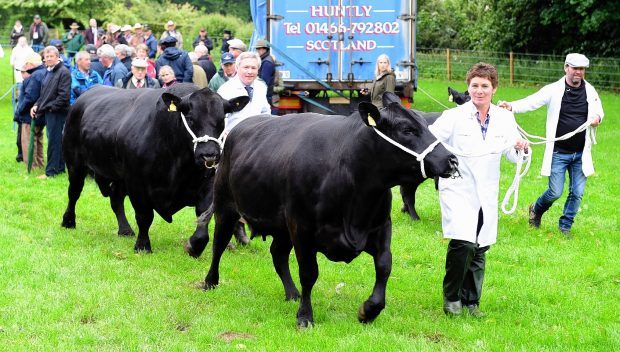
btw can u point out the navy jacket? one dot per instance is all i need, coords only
(151, 43)
(55, 91)
(179, 61)
(30, 92)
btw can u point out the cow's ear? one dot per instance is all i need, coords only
(451, 94)
(389, 98)
(369, 113)
(236, 104)
(169, 102)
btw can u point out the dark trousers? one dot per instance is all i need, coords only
(19, 142)
(465, 262)
(55, 123)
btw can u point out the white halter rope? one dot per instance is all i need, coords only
(202, 139)
(419, 157)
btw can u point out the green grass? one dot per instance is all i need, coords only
(86, 290)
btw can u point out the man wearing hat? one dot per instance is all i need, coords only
(138, 34)
(236, 47)
(38, 34)
(172, 32)
(571, 102)
(175, 58)
(267, 70)
(150, 41)
(138, 78)
(225, 38)
(83, 77)
(73, 40)
(227, 71)
(203, 38)
(33, 73)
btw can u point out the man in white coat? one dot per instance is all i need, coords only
(244, 83)
(478, 133)
(571, 102)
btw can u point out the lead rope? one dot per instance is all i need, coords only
(202, 139)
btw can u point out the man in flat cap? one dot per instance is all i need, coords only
(571, 102)
(138, 78)
(175, 58)
(236, 47)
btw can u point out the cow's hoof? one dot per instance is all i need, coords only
(142, 249)
(126, 232)
(304, 323)
(68, 221)
(243, 240)
(210, 285)
(292, 296)
(190, 250)
(366, 313)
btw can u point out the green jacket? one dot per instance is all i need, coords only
(217, 80)
(73, 42)
(384, 83)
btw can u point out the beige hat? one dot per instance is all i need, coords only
(170, 23)
(261, 43)
(34, 59)
(237, 44)
(577, 60)
(126, 27)
(113, 28)
(137, 26)
(140, 63)
(74, 25)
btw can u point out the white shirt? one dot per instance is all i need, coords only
(258, 105)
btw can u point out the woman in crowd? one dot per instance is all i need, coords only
(166, 76)
(384, 81)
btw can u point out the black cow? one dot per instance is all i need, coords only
(321, 184)
(135, 143)
(407, 191)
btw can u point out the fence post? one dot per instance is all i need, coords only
(512, 68)
(448, 70)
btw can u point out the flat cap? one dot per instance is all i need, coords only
(140, 63)
(577, 60)
(168, 40)
(237, 44)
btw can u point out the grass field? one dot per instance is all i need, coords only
(86, 290)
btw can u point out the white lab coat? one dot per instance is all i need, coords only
(462, 197)
(551, 95)
(258, 105)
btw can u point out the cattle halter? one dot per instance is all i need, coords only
(202, 139)
(419, 157)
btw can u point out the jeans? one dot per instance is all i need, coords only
(560, 163)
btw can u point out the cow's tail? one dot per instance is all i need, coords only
(205, 217)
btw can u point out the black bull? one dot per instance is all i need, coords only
(135, 143)
(320, 183)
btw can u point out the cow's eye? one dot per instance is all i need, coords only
(409, 132)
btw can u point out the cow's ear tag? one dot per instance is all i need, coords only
(371, 121)
(450, 98)
(172, 107)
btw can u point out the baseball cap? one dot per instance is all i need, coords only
(577, 60)
(227, 58)
(237, 44)
(55, 42)
(37, 17)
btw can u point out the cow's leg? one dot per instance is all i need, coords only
(382, 256)
(407, 192)
(308, 274)
(196, 244)
(117, 202)
(77, 174)
(280, 252)
(224, 223)
(144, 218)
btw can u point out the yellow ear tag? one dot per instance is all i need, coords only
(371, 121)
(172, 107)
(450, 98)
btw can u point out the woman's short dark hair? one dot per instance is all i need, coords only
(484, 70)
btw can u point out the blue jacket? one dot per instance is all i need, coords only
(114, 73)
(179, 61)
(30, 92)
(151, 43)
(80, 83)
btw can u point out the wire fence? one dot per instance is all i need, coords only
(513, 68)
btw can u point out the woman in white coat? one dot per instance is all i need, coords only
(478, 132)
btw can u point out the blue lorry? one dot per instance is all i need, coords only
(326, 49)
